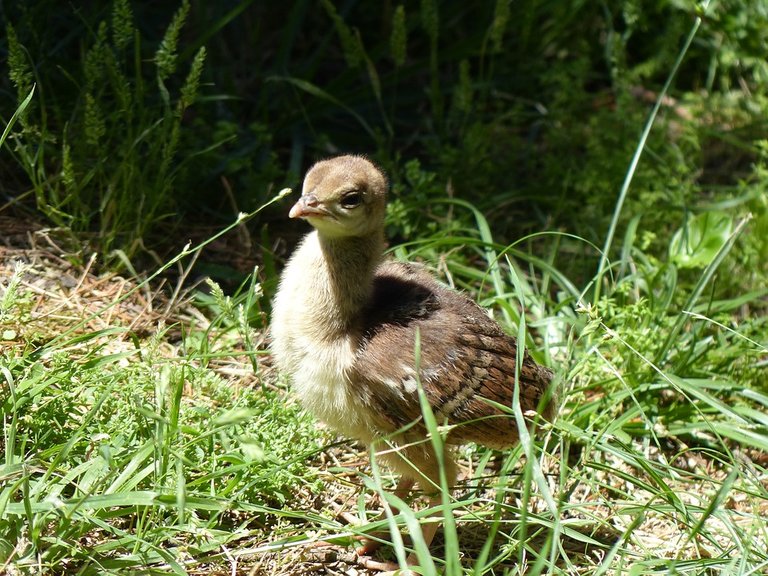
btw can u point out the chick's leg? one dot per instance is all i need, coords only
(428, 531)
(402, 490)
(431, 484)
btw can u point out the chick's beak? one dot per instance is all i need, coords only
(307, 207)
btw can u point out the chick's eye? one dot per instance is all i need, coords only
(351, 199)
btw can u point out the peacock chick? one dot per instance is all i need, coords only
(344, 328)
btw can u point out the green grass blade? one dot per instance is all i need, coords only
(639, 151)
(698, 289)
(19, 111)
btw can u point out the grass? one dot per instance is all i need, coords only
(121, 451)
(660, 408)
(142, 435)
(108, 173)
(127, 440)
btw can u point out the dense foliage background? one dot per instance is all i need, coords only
(146, 114)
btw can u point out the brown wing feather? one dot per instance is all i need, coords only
(465, 359)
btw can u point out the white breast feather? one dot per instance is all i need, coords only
(316, 366)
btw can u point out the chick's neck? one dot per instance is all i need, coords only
(348, 264)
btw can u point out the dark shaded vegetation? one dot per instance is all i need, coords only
(531, 111)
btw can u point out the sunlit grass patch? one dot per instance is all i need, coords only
(123, 449)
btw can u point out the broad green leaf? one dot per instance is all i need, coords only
(697, 243)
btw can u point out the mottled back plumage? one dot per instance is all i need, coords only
(466, 359)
